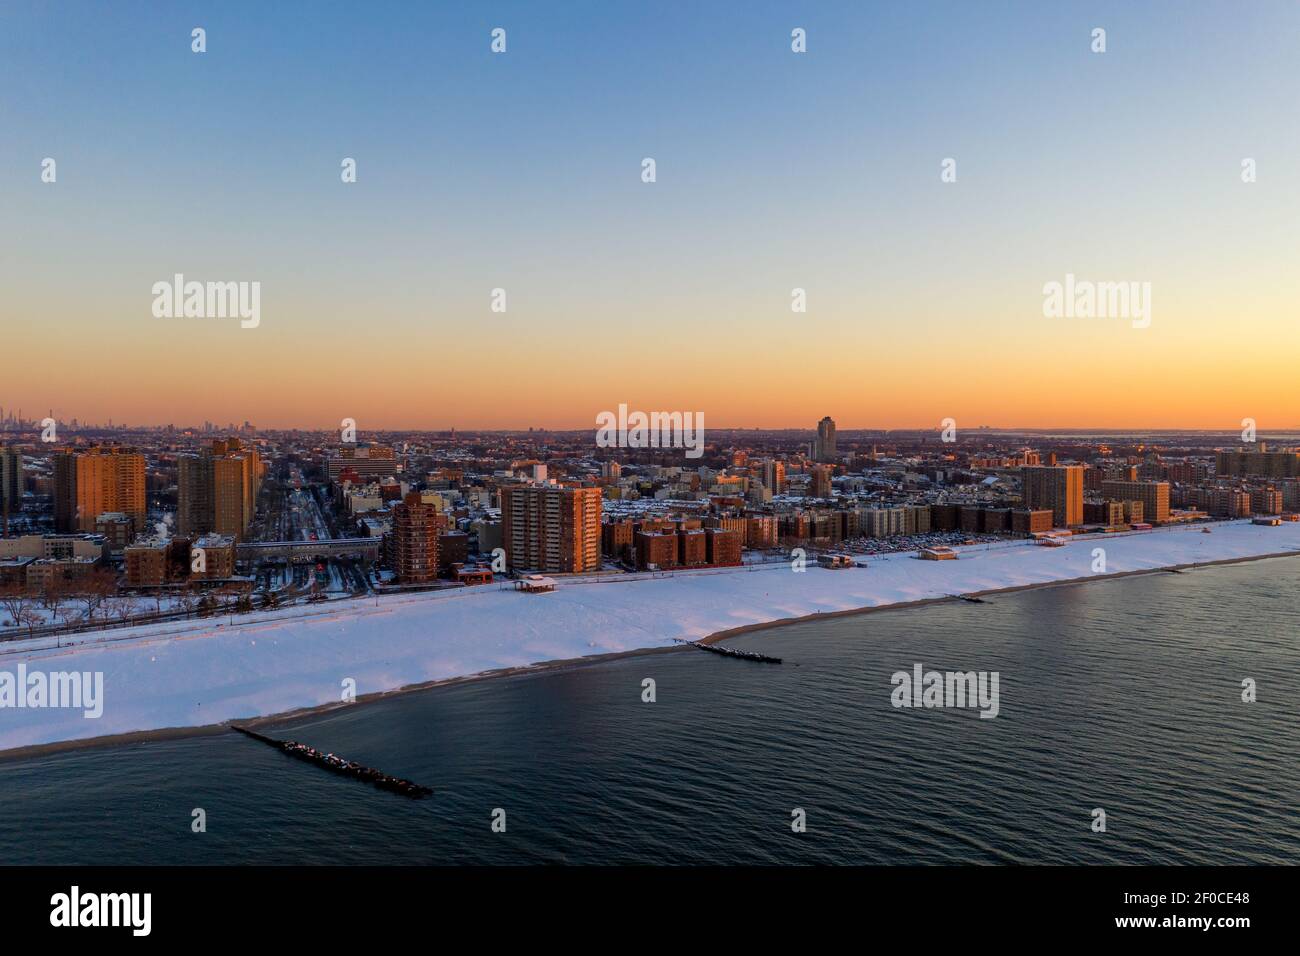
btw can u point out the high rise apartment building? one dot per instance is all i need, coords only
(1154, 496)
(1266, 501)
(1227, 502)
(11, 479)
(1058, 487)
(552, 529)
(232, 511)
(824, 446)
(1265, 464)
(821, 481)
(416, 526)
(773, 476)
(65, 492)
(91, 483)
(193, 495)
(368, 461)
(217, 490)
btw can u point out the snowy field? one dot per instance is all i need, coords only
(204, 672)
(70, 609)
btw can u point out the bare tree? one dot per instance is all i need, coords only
(186, 599)
(14, 598)
(53, 594)
(93, 590)
(31, 620)
(122, 607)
(67, 614)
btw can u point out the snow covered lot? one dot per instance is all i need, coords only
(205, 672)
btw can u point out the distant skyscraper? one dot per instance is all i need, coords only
(823, 449)
(824, 446)
(1059, 488)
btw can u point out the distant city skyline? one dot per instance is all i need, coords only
(517, 424)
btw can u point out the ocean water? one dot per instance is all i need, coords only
(1123, 695)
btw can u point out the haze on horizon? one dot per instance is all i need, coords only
(365, 428)
(774, 171)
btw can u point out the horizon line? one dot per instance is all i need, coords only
(1015, 429)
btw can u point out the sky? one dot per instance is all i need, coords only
(775, 170)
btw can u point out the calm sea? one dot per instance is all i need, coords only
(1123, 695)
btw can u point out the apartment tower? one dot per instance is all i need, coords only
(11, 480)
(105, 480)
(415, 539)
(217, 491)
(551, 529)
(1055, 487)
(824, 447)
(1154, 496)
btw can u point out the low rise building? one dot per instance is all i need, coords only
(146, 563)
(723, 547)
(655, 550)
(213, 557)
(46, 573)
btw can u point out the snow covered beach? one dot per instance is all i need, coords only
(200, 673)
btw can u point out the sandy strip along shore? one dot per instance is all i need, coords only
(173, 733)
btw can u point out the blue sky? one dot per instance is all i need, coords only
(521, 170)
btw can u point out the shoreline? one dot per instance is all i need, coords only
(541, 667)
(904, 605)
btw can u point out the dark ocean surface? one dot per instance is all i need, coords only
(1123, 695)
